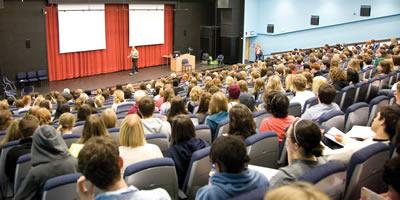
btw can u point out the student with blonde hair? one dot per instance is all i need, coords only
(296, 191)
(134, 147)
(109, 118)
(119, 98)
(299, 87)
(12, 133)
(66, 123)
(218, 111)
(274, 84)
(317, 82)
(94, 127)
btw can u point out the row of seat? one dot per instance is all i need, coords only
(32, 76)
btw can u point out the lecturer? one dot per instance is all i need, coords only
(135, 56)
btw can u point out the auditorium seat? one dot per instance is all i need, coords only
(345, 97)
(32, 77)
(259, 116)
(42, 75)
(332, 119)
(223, 127)
(71, 138)
(203, 132)
(114, 133)
(61, 187)
(161, 140)
(375, 105)
(283, 157)
(21, 170)
(356, 114)
(330, 178)
(309, 103)
(295, 109)
(4, 182)
(186, 66)
(21, 78)
(361, 91)
(2, 134)
(198, 172)
(365, 170)
(263, 149)
(123, 108)
(154, 173)
(78, 128)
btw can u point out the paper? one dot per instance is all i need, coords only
(362, 132)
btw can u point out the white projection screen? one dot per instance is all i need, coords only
(146, 24)
(81, 27)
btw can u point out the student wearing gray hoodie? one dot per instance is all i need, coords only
(50, 158)
(152, 125)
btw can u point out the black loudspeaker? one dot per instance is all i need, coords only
(365, 10)
(28, 43)
(210, 40)
(231, 49)
(223, 4)
(270, 28)
(315, 20)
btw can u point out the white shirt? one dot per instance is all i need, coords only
(132, 193)
(302, 97)
(133, 155)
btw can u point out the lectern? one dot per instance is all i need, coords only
(176, 63)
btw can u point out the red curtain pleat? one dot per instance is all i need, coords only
(114, 57)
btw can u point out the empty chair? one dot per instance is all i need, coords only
(220, 59)
(263, 149)
(356, 114)
(365, 170)
(295, 109)
(332, 119)
(21, 78)
(330, 178)
(345, 97)
(203, 132)
(22, 168)
(310, 102)
(61, 187)
(71, 138)
(198, 172)
(32, 77)
(154, 173)
(374, 107)
(42, 75)
(259, 116)
(161, 140)
(186, 66)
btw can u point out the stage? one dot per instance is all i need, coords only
(112, 79)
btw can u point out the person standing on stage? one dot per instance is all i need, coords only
(135, 56)
(259, 53)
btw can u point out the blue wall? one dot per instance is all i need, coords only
(339, 22)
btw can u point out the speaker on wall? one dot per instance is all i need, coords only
(223, 4)
(365, 10)
(315, 20)
(270, 28)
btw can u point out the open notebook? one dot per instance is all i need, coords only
(357, 133)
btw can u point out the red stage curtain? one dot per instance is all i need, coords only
(114, 57)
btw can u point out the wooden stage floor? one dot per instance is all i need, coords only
(112, 79)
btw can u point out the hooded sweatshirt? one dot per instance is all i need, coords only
(182, 153)
(155, 125)
(226, 185)
(213, 121)
(50, 158)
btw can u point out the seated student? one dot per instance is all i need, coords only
(384, 126)
(296, 191)
(338, 78)
(177, 108)
(5, 119)
(93, 127)
(299, 87)
(231, 178)
(84, 112)
(152, 125)
(241, 121)
(304, 148)
(169, 94)
(12, 133)
(26, 104)
(109, 118)
(106, 174)
(119, 98)
(194, 101)
(50, 158)
(183, 144)
(138, 95)
(248, 100)
(134, 147)
(391, 177)
(233, 93)
(218, 110)
(202, 110)
(65, 123)
(277, 104)
(326, 96)
(27, 126)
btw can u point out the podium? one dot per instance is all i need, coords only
(176, 63)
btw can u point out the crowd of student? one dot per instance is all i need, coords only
(167, 105)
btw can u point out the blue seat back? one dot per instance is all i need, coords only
(203, 132)
(21, 170)
(263, 149)
(161, 140)
(375, 105)
(356, 114)
(198, 172)
(61, 187)
(332, 119)
(309, 103)
(295, 109)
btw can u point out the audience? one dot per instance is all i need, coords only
(109, 118)
(233, 94)
(183, 144)
(12, 133)
(177, 108)
(299, 87)
(326, 96)
(169, 94)
(152, 125)
(138, 95)
(93, 127)
(66, 123)
(50, 158)
(303, 145)
(5, 119)
(277, 104)
(241, 122)
(119, 98)
(296, 191)
(391, 177)
(134, 147)
(231, 178)
(202, 110)
(106, 174)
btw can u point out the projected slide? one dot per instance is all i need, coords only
(81, 27)
(146, 24)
